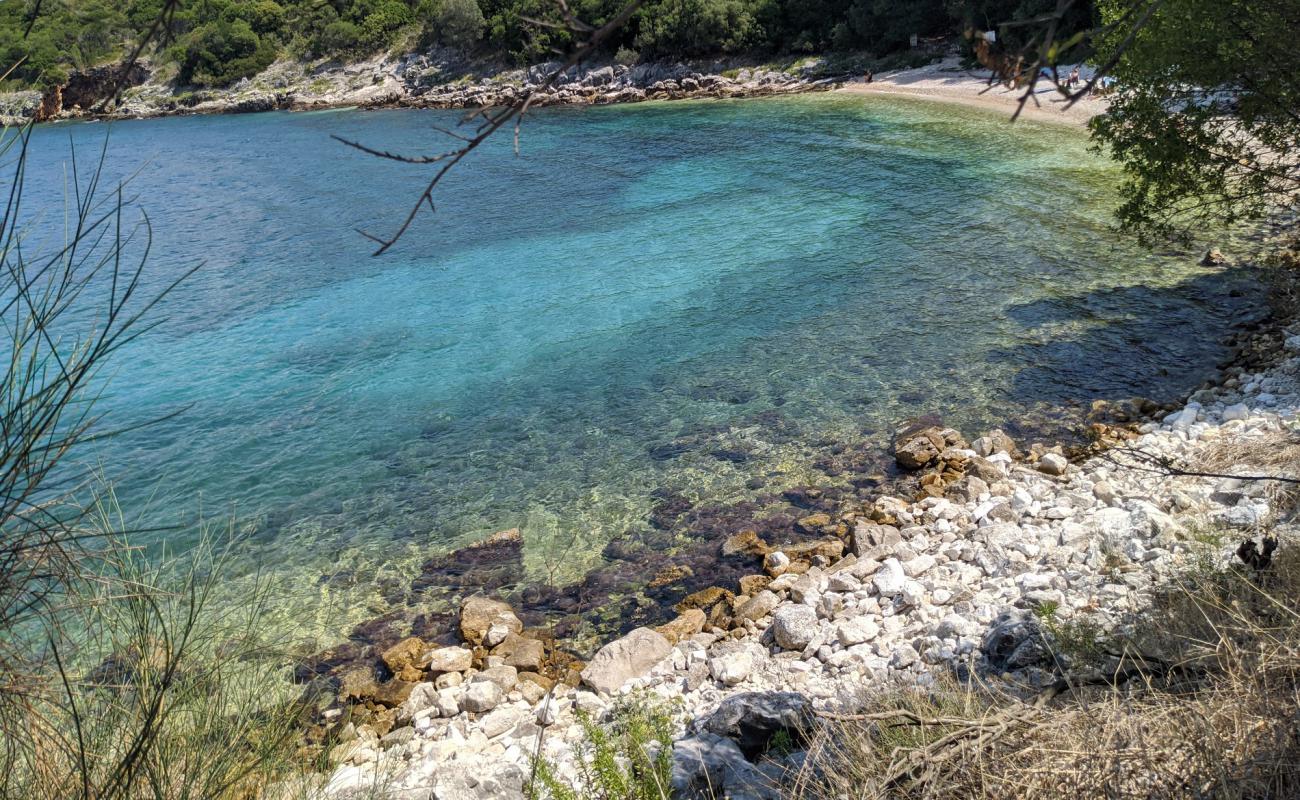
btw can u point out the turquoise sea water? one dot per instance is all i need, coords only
(702, 296)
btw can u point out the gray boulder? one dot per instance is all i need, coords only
(794, 626)
(709, 766)
(753, 718)
(1015, 640)
(625, 659)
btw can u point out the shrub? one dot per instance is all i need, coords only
(458, 23)
(379, 26)
(630, 757)
(221, 52)
(626, 57)
(339, 36)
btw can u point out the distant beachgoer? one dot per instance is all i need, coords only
(869, 76)
(1074, 77)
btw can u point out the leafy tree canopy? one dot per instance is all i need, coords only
(1206, 114)
(217, 42)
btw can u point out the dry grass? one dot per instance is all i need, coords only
(1265, 453)
(1209, 710)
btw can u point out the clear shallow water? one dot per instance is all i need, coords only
(698, 296)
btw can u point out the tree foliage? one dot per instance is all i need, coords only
(217, 42)
(1206, 118)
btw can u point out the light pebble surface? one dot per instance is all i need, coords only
(948, 82)
(831, 633)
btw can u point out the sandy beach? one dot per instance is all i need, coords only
(948, 82)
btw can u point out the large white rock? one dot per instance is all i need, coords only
(481, 696)
(856, 630)
(730, 669)
(624, 659)
(794, 626)
(450, 659)
(890, 578)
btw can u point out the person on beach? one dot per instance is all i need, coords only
(1074, 78)
(869, 77)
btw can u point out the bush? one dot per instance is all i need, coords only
(626, 57)
(697, 27)
(458, 23)
(222, 52)
(379, 26)
(630, 757)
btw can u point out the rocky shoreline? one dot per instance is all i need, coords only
(953, 579)
(438, 79)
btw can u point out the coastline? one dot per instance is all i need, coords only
(901, 591)
(947, 82)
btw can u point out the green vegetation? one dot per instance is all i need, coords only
(218, 42)
(1205, 124)
(629, 757)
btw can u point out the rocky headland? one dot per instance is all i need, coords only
(438, 79)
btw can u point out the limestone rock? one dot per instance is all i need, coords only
(481, 696)
(751, 719)
(406, 658)
(687, 624)
(624, 659)
(478, 614)
(758, 606)
(521, 652)
(794, 626)
(450, 659)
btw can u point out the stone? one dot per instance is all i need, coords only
(776, 563)
(829, 549)
(496, 634)
(890, 579)
(751, 719)
(1103, 491)
(1052, 464)
(751, 585)
(481, 696)
(447, 703)
(746, 542)
(478, 614)
(521, 652)
(856, 630)
(625, 659)
(758, 606)
(499, 722)
(794, 626)
(448, 679)
(731, 668)
(450, 659)
(1015, 640)
(687, 624)
(869, 535)
(704, 599)
(406, 658)
(709, 765)
(916, 451)
(813, 523)
(503, 675)
(1236, 411)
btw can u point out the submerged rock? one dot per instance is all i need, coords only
(478, 615)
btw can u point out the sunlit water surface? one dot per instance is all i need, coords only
(702, 296)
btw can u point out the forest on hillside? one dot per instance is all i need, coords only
(218, 42)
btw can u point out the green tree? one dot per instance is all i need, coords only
(221, 52)
(1205, 118)
(458, 23)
